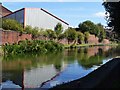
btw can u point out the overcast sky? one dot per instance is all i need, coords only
(71, 12)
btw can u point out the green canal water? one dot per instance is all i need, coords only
(48, 70)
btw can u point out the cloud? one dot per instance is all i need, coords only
(100, 14)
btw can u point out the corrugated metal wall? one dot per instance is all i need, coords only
(38, 18)
(19, 16)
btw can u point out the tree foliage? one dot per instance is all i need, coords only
(102, 34)
(58, 29)
(70, 34)
(80, 37)
(89, 26)
(51, 34)
(86, 34)
(11, 24)
(34, 31)
(113, 16)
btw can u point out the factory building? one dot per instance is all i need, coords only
(37, 17)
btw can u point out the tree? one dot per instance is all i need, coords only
(113, 16)
(70, 34)
(86, 34)
(28, 29)
(11, 24)
(80, 37)
(51, 34)
(61, 36)
(34, 31)
(102, 34)
(88, 26)
(58, 29)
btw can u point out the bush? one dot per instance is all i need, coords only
(86, 34)
(51, 34)
(80, 37)
(11, 24)
(32, 46)
(70, 34)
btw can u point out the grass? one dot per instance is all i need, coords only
(88, 45)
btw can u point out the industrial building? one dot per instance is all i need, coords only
(4, 11)
(36, 17)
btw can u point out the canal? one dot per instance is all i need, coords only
(48, 70)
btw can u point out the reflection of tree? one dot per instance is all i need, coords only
(58, 67)
(100, 51)
(14, 75)
(88, 61)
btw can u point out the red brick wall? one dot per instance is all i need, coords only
(106, 41)
(13, 37)
(92, 39)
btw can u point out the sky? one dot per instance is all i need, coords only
(71, 12)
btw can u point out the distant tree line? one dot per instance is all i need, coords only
(92, 28)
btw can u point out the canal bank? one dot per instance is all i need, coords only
(106, 76)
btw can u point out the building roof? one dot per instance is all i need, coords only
(5, 11)
(43, 11)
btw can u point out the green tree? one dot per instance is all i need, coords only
(86, 34)
(102, 34)
(51, 34)
(113, 17)
(88, 26)
(80, 37)
(61, 36)
(28, 29)
(11, 24)
(58, 29)
(70, 34)
(35, 32)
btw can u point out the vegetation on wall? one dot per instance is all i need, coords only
(86, 34)
(51, 34)
(81, 37)
(70, 34)
(11, 24)
(102, 33)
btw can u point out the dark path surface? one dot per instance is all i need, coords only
(107, 76)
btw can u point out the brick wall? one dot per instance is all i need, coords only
(12, 37)
(106, 41)
(92, 39)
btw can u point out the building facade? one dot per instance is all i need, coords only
(37, 17)
(4, 11)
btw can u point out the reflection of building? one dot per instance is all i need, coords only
(36, 17)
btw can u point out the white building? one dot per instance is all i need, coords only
(37, 17)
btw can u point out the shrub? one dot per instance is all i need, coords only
(32, 46)
(80, 37)
(70, 34)
(11, 24)
(86, 34)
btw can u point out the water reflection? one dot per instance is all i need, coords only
(31, 71)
